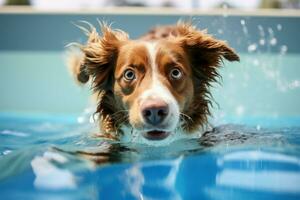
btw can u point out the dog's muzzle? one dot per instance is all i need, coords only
(155, 113)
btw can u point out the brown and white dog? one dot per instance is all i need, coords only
(154, 85)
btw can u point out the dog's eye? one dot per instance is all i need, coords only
(176, 73)
(129, 75)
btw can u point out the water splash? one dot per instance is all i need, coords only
(88, 116)
(243, 22)
(252, 47)
(279, 27)
(294, 84)
(283, 49)
(270, 67)
(273, 41)
(272, 38)
(245, 29)
(258, 127)
(262, 40)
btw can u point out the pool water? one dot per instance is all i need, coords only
(51, 157)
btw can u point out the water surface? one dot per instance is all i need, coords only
(47, 157)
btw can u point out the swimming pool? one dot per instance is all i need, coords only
(47, 151)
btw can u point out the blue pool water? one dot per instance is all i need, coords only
(51, 157)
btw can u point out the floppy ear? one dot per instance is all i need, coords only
(76, 67)
(203, 49)
(98, 56)
(205, 55)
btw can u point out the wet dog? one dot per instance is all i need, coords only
(153, 85)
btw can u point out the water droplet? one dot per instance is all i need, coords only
(294, 84)
(262, 42)
(261, 30)
(279, 27)
(271, 32)
(80, 120)
(258, 127)
(252, 47)
(220, 31)
(243, 23)
(273, 41)
(283, 49)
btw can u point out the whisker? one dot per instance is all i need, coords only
(183, 120)
(120, 111)
(186, 116)
(186, 119)
(118, 123)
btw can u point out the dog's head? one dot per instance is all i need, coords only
(157, 83)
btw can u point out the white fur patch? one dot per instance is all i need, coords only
(159, 90)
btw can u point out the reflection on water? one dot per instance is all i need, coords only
(247, 169)
(63, 160)
(47, 174)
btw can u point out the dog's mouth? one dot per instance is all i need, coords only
(156, 135)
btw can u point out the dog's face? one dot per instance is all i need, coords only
(159, 84)
(153, 81)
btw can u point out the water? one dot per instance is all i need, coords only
(46, 157)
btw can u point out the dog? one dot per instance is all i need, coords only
(153, 85)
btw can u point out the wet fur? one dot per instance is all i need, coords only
(98, 61)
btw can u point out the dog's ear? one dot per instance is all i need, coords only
(203, 49)
(75, 64)
(99, 55)
(205, 54)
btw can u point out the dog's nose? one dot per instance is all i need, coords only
(154, 111)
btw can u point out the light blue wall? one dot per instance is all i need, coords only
(39, 82)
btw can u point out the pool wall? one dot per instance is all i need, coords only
(33, 76)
